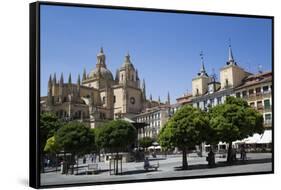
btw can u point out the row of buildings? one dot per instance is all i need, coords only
(100, 97)
(207, 91)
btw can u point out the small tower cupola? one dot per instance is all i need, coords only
(202, 69)
(230, 60)
(101, 59)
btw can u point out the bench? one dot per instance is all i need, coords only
(153, 166)
(92, 168)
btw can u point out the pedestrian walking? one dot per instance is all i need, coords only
(242, 152)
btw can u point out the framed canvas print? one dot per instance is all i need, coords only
(122, 94)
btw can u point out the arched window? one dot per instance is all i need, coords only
(197, 91)
(103, 100)
(226, 82)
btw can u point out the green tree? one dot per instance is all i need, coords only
(49, 124)
(75, 138)
(116, 136)
(51, 145)
(187, 128)
(234, 120)
(145, 142)
(52, 148)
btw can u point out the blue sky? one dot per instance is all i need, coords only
(164, 47)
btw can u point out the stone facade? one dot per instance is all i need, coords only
(99, 96)
(256, 89)
(155, 118)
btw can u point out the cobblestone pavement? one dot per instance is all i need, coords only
(256, 162)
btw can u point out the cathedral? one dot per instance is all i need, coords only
(99, 96)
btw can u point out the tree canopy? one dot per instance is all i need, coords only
(187, 128)
(75, 137)
(116, 135)
(51, 145)
(145, 142)
(49, 124)
(235, 120)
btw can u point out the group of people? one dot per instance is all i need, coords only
(92, 157)
(232, 157)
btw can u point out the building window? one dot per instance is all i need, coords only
(197, 104)
(122, 77)
(114, 99)
(266, 104)
(238, 95)
(103, 100)
(219, 100)
(251, 92)
(226, 83)
(265, 89)
(259, 105)
(252, 104)
(258, 91)
(244, 94)
(267, 118)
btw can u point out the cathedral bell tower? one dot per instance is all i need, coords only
(200, 82)
(231, 75)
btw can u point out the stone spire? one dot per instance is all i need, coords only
(50, 81)
(78, 80)
(230, 54)
(230, 60)
(78, 85)
(159, 101)
(117, 75)
(50, 98)
(168, 98)
(84, 75)
(137, 75)
(144, 90)
(61, 88)
(202, 69)
(69, 78)
(61, 80)
(150, 97)
(54, 79)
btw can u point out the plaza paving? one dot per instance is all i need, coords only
(256, 162)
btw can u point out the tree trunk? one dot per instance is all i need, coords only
(184, 159)
(72, 163)
(229, 153)
(42, 163)
(56, 162)
(77, 165)
(116, 163)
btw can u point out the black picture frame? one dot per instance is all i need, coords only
(34, 98)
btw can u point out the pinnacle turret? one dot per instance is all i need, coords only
(69, 78)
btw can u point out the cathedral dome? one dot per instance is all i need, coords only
(105, 73)
(127, 62)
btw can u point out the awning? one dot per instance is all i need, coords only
(154, 147)
(266, 137)
(253, 139)
(222, 143)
